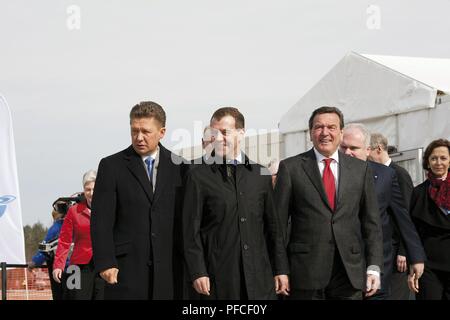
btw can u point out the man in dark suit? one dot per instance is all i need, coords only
(233, 243)
(399, 280)
(335, 245)
(134, 213)
(356, 143)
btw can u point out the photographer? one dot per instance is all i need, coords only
(47, 256)
(76, 229)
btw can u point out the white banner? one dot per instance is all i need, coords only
(12, 248)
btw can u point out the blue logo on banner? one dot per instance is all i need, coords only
(4, 200)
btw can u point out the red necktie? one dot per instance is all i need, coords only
(328, 183)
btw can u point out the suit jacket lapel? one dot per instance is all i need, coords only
(163, 173)
(312, 171)
(345, 175)
(241, 172)
(136, 166)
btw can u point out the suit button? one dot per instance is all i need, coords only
(241, 193)
(153, 235)
(246, 247)
(243, 219)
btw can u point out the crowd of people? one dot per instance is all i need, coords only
(340, 221)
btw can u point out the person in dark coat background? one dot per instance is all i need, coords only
(356, 143)
(233, 243)
(430, 211)
(134, 214)
(399, 279)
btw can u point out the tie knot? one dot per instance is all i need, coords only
(149, 161)
(327, 161)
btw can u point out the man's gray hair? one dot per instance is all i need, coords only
(89, 176)
(377, 139)
(363, 129)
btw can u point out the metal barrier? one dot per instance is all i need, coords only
(19, 283)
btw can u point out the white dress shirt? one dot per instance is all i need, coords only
(154, 156)
(334, 165)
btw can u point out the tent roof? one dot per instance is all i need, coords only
(430, 71)
(370, 86)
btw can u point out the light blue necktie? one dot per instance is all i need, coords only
(149, 163)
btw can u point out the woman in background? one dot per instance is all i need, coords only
(430, 211)
(77, 229)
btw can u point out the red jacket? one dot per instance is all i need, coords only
(77, 229)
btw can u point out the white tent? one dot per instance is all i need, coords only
(406, 99)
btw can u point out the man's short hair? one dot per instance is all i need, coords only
(326, 109)
(148, 109)
(377, 139)
(392, 149)
(230, 111)
(363, 129)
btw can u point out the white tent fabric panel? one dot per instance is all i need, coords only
(294, 143)
(386, 126)
(432, 71)
(362, 89)
(418, 129)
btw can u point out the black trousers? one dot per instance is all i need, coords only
(434, 285)
(339, 287)
(57, 288)
(399, 287)
(91, 285)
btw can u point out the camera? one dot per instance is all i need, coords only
(62, 205)
(48, 248)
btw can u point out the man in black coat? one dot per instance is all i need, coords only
(356, 143)
(134, 214)
(233, 244)
(335, 245)
(399, 280)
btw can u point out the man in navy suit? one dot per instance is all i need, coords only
(356, 143)
(399, 280)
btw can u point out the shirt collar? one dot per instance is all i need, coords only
(238, 159)
(320, 157)
(152, 155)
(388, 163)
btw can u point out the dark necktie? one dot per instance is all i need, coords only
(328, 183)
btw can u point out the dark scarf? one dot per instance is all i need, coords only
(440, 191)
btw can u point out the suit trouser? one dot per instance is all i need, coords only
(434, 285)
(399, 287)
(339, 287)
(57, 288)
(91, 285)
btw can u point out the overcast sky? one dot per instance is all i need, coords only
(70, 90)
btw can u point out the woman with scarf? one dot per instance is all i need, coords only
(430, 211)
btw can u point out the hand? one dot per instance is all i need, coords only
(57, 275)
(414, 276)
(373, 284)
(401, 263)
(201, 285)
(110, 275)
(282, 284)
